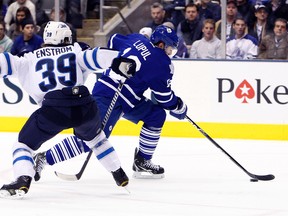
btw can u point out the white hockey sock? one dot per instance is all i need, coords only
(104, 152)
(23, 163)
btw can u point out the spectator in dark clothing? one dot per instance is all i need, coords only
(3, 8)
(175, 11)
(73, 12)
(209, 10)
(260, 27)
(190, 29)
(277, 9)
(158, 16)
(41, 16)
(28, 41)
(245, 10)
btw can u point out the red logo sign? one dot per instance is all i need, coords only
(244, 90)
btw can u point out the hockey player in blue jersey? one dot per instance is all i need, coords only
(154, 70)
(54, 76)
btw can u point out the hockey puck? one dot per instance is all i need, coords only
(253, 180)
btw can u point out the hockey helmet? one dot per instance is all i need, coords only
(56, 33)
(168, 36)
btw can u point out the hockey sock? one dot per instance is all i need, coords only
(68, 148)
(104, 152)
(149, 137)
(22, 160)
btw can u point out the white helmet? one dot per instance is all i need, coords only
(56, 33)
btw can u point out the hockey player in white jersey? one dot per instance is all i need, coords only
(154, 70)
(54, 77)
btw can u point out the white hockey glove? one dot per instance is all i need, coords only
(180, 111)
(124, 67)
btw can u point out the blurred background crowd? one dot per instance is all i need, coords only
(254, 29)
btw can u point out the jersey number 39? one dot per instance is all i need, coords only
(64, 71)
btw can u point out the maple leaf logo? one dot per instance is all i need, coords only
(245, 90)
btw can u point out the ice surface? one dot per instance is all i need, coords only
(200, 180)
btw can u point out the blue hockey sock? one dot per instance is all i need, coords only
(68, 148)
(149, 137)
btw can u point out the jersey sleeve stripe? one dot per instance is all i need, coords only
(94, 54)
(162, 93)
(164, 100)
(86, 61)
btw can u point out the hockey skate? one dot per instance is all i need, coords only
(39, 164)
(145, 168)
(120, 177)
(16, 189)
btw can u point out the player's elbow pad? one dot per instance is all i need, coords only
(124, 66)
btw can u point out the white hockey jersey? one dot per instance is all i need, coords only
(53, 68)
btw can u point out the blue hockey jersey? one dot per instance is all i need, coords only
(154, 70)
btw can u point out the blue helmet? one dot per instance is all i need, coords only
(166, 35)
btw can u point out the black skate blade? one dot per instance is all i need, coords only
(5, 194)
(147, 175)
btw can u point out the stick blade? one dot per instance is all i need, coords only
(66, 177)
(263, 177)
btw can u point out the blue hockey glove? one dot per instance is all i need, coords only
(124, 66)
(180, 111)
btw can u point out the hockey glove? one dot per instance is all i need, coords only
(124, 66)
(180, 111)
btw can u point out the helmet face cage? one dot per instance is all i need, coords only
(168, 36)
(56, 33)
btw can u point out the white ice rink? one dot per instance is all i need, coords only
(200, 180)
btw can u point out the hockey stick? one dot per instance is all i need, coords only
(253, 176)
(75, 177)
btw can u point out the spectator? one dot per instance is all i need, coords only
(245, 10)
(260, 27)
(62, 18)
(5, 41)
(74, 13)
(157, 15)
(277, 9)
(15, 28)
(190, 29)
(12, 9)
(231, 14)
(209, 10)
(41, 16)
(275, 45)
(28, 41)
(209, 47)
(241, 45)
(175, 10)
(3, 8)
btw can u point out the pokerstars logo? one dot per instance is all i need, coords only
(251, 91)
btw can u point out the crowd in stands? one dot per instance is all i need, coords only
(22, 23)
(255, 29)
